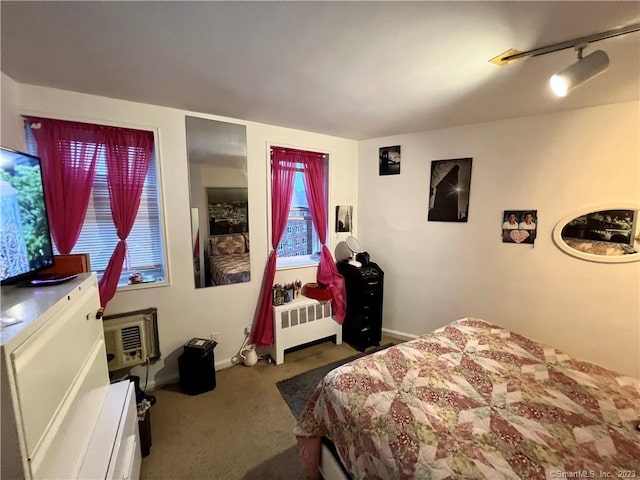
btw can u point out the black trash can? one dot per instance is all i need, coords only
(144, 429)
(144, 403)
(196, 366)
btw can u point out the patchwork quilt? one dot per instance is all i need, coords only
(473, 400)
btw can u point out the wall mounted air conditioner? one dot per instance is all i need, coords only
(131, 338)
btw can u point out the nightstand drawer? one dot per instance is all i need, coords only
(373, 284)
(370, 297)
(370, 308)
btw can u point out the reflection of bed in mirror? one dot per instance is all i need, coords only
(605, 234)
(229, 259)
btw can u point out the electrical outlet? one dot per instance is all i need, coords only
(247, 329)
(215, 336)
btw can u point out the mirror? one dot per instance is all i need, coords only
(354, 244)
(608, 234)
(217, 159)
(342, 251)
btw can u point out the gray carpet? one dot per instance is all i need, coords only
(297, 390)
(241, 430)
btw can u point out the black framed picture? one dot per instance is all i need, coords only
(519, 226)
(449, 190)
(389, 158)
(344, 215)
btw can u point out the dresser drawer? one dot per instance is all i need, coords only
(114, 448)
(370, 320)
(370, 296)
(371, 309)
(371, 300)
(372, 284)
(127, 457)
(60, 453)
(47, 364)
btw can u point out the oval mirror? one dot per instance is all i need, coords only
(608, 234)
(342, 251)
(353, 244)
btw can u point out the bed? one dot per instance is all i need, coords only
(473, 400)
(229, 259)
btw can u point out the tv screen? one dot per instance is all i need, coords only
(25, 240)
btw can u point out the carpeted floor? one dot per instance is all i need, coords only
(297, 390)
(241, 430)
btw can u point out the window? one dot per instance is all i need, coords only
(98, 237)
(300, 238)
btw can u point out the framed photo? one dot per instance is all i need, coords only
(390, 160)
(519, 226)
(344, 215)
(449, 190)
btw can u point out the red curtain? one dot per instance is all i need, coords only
(128, 155)
(283, 171)
(68, 170)
(314, 180)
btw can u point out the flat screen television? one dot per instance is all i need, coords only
(25, 239)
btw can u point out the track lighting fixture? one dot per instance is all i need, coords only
(578, 73)
(585, 68)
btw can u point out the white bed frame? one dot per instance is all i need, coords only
(301, 321)
(329, 467)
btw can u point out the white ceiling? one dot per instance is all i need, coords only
(352, 69)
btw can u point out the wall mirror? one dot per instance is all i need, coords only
(608, 234)
(217, 158)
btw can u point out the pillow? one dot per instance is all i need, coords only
(227, 244)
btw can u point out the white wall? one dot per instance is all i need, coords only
(437, 272)
(221, 177)
(183, 311)
(11, 130)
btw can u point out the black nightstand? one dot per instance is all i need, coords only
(362, 325)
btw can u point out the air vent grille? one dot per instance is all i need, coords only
(300, 315)
(131, 338)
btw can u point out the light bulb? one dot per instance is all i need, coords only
(558, 86)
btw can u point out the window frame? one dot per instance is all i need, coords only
(283, 263)
(159, 184)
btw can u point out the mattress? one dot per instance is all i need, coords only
(473, 400)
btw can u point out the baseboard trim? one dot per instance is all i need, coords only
(399, 335)
(226, 363)
(161, 382)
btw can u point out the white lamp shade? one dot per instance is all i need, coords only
(578, 73)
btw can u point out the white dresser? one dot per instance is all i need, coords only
(61, 419)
